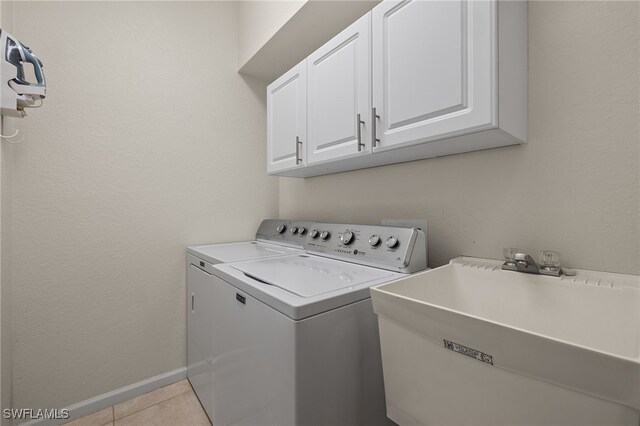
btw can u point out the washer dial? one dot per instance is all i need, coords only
(302, 230)
(374, 240)
(281, 228)
(347, 238)
(294, 230)
(325, 235)
(392, 242)
(314, 233)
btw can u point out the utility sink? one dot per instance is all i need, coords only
(473, 333)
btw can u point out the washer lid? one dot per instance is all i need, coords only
(308, 276)
(235, 252)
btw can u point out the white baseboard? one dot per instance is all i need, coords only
(108, 399)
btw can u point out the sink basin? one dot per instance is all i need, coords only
(572, 340)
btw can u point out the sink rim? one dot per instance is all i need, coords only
(490, 264)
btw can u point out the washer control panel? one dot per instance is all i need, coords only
(284, 231)
(389, 247)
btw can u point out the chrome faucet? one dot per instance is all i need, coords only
(525, 263)
(516, 260)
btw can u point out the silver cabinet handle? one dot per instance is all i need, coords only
(374, 138)
(298, 146)
(358, 123)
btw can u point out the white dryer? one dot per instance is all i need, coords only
(295, 338)
(274, 238)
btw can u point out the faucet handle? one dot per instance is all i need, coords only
(550, 262)
(509, 261)
(549, 258)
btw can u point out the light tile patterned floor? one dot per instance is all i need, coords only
(173, 405)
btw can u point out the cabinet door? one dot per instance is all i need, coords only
(339, 91)
(434, 66)
(287, 120)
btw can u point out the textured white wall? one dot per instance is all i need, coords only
(573, 188)
(148, 141)
(258, 21)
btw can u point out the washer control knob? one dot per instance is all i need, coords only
(302, 230)
(294, 230)
(347, 237)
(281, 228)
(392, 242)
(313, 233)
(325, 235)
(374, 240)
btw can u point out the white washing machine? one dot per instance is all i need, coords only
(295, 339)
(274, 238)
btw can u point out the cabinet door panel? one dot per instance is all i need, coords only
(432, 69)
(339, 88)
(287, 120)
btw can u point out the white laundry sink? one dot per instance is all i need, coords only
(539, 349)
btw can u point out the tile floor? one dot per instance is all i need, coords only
(172, 405)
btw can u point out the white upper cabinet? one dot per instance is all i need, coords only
(339, 95)
(433, 70)
(426, 78)
(287, 120)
